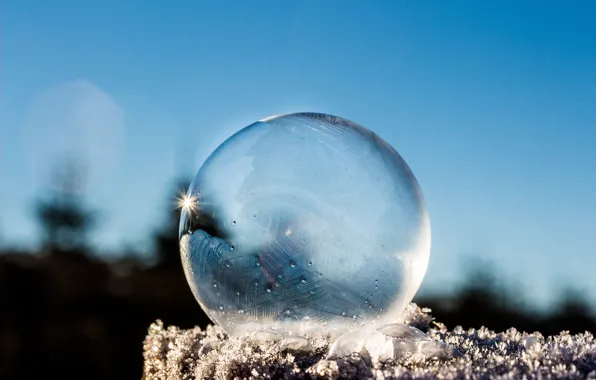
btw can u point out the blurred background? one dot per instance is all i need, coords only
(108, 108)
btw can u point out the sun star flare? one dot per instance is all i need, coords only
(188, 203)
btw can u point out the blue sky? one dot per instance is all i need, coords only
(492, 104)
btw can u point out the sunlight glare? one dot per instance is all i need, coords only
(187, 203)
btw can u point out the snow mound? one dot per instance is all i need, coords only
(173, 353)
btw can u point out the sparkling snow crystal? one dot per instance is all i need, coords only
(171, 353)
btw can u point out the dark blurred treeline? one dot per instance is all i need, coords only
(66, 312)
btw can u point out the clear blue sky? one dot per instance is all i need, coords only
(493, 105)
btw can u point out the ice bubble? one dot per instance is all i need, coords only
(260, 336)
(304, 224)
(532, 344)
(296, 343)
(389, 343)
(208, 347)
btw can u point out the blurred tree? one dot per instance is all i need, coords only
(484, 298)
(63, 218)
(572, 310)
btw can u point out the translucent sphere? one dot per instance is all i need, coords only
(304, 223)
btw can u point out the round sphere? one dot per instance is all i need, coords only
(304, 223)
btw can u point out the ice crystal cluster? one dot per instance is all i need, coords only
(175, 354)
(304, 224)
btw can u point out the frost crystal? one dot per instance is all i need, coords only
(399, 351)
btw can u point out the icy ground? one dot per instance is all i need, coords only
(172, 353)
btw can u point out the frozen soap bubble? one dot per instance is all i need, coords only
(303, 224)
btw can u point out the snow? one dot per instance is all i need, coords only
(395, 351)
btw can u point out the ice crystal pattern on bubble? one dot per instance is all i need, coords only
(302, 223)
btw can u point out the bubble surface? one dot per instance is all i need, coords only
(304, 223)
